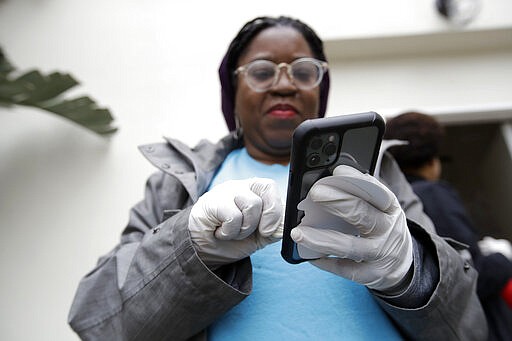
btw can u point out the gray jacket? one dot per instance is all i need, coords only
(153, 286)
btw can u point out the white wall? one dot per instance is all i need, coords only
(430, 82)
(65, 193)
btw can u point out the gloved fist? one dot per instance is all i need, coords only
(234, 219)
(380, 255)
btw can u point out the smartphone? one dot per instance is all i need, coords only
(318, 146)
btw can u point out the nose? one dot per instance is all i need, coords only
(284, 79)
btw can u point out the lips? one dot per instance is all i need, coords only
(283, 111)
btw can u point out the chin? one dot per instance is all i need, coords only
(281, 144)
(281, 136)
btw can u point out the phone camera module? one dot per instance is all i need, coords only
(313, 159)
(329, 149)
(316, 143)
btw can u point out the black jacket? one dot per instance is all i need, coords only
(443, 205)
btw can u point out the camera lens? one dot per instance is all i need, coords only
(313, 159)
(316, 143)
(329, 149)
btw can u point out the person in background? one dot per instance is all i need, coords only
(421, 164)
(200, 256)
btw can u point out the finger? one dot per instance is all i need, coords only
(364, 186)
(272, 209)
(247, 210)
(278, 233)
(331, 242)
(239, 218)
(251, 207)
(353, 210)
(229, 218)
(347, 268)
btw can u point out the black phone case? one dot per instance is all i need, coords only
(313, 157)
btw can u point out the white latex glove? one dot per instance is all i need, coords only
(381, 255)
(489, 245)
(234, 219)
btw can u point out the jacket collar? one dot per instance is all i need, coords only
(193, 167)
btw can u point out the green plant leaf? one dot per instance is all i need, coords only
(84, 111)
(44, 91)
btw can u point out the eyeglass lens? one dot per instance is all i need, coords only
(262, 74)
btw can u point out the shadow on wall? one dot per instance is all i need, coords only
(43, 155)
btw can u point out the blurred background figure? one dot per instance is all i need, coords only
(420, 161)
(489, 245)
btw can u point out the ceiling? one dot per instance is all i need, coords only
(455, 41)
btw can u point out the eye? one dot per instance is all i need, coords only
(305, 73)
(261, 72)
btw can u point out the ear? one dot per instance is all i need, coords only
(433, 167)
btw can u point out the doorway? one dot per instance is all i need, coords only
(477, 161)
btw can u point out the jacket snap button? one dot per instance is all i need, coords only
(156, 229)
(166, 166)
(150, 149)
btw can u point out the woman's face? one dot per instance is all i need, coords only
(269, 118)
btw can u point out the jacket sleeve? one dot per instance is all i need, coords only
(450, 309)
(153, 286)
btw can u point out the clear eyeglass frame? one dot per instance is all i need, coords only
(321, 68)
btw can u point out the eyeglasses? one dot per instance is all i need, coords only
(261, 75)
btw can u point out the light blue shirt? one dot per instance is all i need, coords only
(295, 302)
(239, 165)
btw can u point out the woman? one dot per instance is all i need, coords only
(182, 269)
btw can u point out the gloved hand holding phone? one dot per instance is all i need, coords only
(380, 256)
(234, 219)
